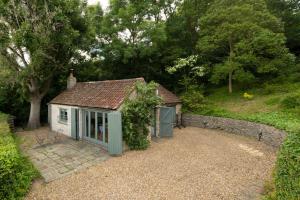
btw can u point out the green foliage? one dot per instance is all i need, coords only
(273, 101)
(138, 114)
(248, 96)
(276, 88)
(192, 99)
(40, 49)
(16, 172)
(287, 179)
(240, 39)
(289, 12)
(291, 101)
(133, 34)
(269, 190)
(188, 69)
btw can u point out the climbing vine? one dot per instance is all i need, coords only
(138, 115)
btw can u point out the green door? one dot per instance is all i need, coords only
(166, 120)
(74, 123)
(115, 137)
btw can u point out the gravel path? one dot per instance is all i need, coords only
(194, 164)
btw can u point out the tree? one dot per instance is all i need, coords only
(37, 41)
(182, 30)
(133, 33)
(289, 12)
(240, 39)
(188, 69)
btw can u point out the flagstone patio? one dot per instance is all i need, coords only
(60, 158)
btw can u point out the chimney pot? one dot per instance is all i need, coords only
(71, 82)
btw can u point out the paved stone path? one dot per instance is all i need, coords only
(66, 156)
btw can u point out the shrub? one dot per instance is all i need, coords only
(287, 175)
(272, 88)
(16, 172)
(137, 115)
(291, 101)
(193, 99)
(248, 96)
(273, 101)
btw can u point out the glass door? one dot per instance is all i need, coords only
(96, 127)
(92, 125)
(100, 127)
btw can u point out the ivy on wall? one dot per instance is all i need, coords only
(137, 115)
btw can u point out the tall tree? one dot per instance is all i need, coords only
(37, 40)
(132, 34)
(240, 38)
(289, 12)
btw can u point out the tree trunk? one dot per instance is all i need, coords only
(230, 82)
(37, 93)
(35, 109)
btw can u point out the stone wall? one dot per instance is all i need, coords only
(267, 134)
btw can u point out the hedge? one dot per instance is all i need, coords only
(287, 173)
(16, 171)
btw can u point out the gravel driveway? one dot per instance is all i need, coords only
(194, 164)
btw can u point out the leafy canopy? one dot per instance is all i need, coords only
(240, 39)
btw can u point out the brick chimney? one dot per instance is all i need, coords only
(71, 80)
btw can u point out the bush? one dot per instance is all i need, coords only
(193, 99)
(291, 102)
(137, 116)
(274, 88)
(287, 175)
(16, 172)
(273, 101)
(248, 96)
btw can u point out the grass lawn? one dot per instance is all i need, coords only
(265, 107)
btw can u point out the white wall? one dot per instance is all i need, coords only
(56, 125)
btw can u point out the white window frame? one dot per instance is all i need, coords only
(63, 117)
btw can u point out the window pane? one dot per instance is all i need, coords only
(106, 128)
(66, 115)
(63, 114)
(100, 126)
(93, 125)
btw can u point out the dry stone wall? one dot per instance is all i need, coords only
(265, 133)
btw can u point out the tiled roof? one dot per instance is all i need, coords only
(167, 96)
(108, 94)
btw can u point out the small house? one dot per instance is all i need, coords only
(91, 110)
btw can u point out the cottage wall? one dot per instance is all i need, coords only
(56, 125)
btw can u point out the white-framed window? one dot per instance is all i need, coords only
(63, 115)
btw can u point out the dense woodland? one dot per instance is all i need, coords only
(185, 45)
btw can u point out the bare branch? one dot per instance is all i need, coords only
(20, 54)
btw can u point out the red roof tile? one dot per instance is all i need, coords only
(167, 96)
(108, 94)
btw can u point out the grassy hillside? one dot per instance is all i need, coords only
(276, 105)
